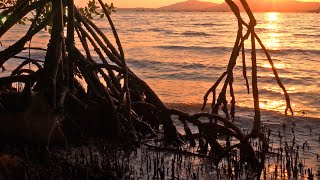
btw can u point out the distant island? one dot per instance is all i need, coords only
(257, 6)
(190, 5)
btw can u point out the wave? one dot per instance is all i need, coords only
(176, 70)
(296, 51)
(207, 24)
(195, 48)
(306, 35)
(229, 49)
(194, 33)
(247, 113)
(268, 69)
(137, 30)
(261, 29)
(306, 96)
(181, 76)
(171, 66)
(161, 30)
(186, 33)
(309, 97)
(301, 81)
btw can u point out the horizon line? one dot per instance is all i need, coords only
(196, 0)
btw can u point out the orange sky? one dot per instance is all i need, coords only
(152, 3)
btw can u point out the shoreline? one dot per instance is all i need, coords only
(196, 107)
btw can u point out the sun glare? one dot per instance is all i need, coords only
(277, 65)
(272, 39)
(272, 16)
(272, 105)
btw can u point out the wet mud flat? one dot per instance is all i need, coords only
(98, 159)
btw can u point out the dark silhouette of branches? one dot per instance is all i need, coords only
(105, 95)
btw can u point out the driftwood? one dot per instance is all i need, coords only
(119, 106)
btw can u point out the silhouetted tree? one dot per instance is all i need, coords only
(103, 97)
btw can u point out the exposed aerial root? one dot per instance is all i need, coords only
(95, 94)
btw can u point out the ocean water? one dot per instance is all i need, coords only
(181, 55)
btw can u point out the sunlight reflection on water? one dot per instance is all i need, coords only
(180, 55)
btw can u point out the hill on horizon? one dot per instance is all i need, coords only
(190, 5)
(269, 6)
(256, 6)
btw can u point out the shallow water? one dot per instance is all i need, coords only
(181, 54)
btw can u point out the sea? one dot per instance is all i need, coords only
(181, 55)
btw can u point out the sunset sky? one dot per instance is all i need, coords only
(155, 3)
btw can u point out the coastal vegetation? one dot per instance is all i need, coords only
(71, 98)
